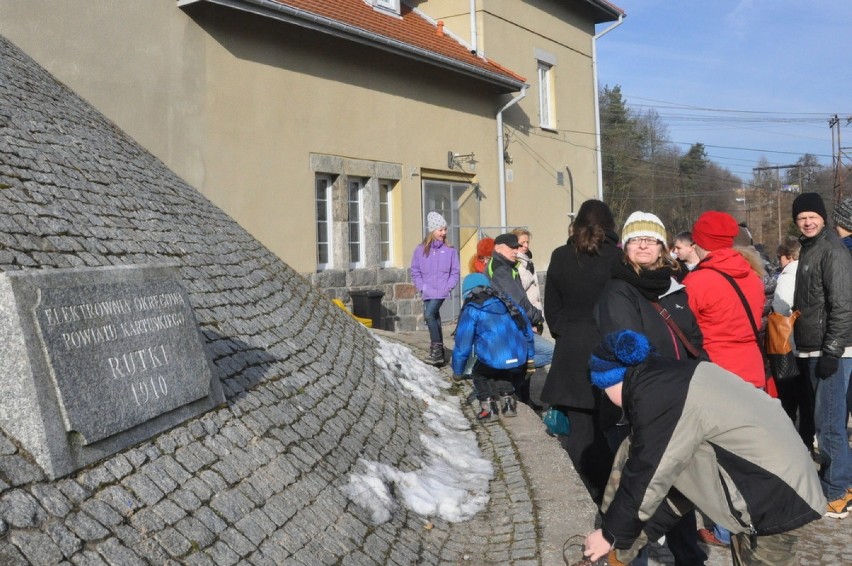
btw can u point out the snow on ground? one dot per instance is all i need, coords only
(452, 482)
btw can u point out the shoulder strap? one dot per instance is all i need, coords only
(667, 317)
(512, 307)
(742, 298)
(485, 293)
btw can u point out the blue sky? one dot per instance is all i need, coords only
(769, 72)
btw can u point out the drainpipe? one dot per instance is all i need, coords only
(501, 161)
(474, 39)
(597, 102)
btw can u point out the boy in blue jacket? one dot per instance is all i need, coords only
(499, 332)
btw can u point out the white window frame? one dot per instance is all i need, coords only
(385, 222)
(545, 65)
(324, 204)
(357, 223)
(391, 6)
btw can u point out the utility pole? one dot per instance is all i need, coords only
(842, 157)
(777, 168)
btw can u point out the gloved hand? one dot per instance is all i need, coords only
(530, 368)
(827, 366)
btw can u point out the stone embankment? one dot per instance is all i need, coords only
(255, 481)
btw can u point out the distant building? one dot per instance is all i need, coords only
(330, 129)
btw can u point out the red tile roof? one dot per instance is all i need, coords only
(605, 11)
(411, 34)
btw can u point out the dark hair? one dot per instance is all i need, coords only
(589, 229)
(684, 237)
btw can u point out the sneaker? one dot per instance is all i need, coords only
(509, 406)
(707, 537)
(839, 508)
(486, 413)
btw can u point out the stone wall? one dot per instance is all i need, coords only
(401, 309)
(256, 481)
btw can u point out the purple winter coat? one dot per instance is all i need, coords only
(437, 274)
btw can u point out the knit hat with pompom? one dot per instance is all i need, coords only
(618, 351)
(843, 214)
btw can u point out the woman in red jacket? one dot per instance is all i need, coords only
(724, 318)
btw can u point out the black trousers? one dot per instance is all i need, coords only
(588, 449)
(797, 399)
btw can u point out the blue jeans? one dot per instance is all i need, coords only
(432, 316)
(830, 423)
(543, 350)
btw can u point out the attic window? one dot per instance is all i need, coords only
(391, 6)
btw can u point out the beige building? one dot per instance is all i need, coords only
(329, 129)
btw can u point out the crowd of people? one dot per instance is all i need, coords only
(658, 365)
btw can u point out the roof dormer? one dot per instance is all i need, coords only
(389, 6)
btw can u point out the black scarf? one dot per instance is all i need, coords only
(651, 283)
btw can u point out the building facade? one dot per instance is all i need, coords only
(330, 129)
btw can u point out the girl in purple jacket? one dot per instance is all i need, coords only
(435, 272)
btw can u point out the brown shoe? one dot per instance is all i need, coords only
(839, 508)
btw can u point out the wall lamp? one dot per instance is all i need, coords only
(457, 160)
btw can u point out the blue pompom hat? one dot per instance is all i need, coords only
(473, 281)
(618, 351)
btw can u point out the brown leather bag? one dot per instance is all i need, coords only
(779, 329)
(779, 351)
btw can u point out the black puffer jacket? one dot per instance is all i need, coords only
(724, 445)
(824, 295)
(622, 307)
(505, 279)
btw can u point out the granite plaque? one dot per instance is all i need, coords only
(97, 359)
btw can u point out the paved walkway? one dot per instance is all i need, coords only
(560, 506)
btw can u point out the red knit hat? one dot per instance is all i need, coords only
(485, 247)
(715, 230)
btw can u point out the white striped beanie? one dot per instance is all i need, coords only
(643, 224)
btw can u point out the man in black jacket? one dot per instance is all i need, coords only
(823, 335)
(503, 272)
(701, 437)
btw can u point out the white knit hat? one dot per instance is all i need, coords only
(643, 224)
(434, 221)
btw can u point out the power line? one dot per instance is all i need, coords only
(822, 115)
(539, 132)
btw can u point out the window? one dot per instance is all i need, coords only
(545, 95)
(385, 250)
(323, 190)
(458, 203)
(391, 6)
(356, 222)
(354, 211)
